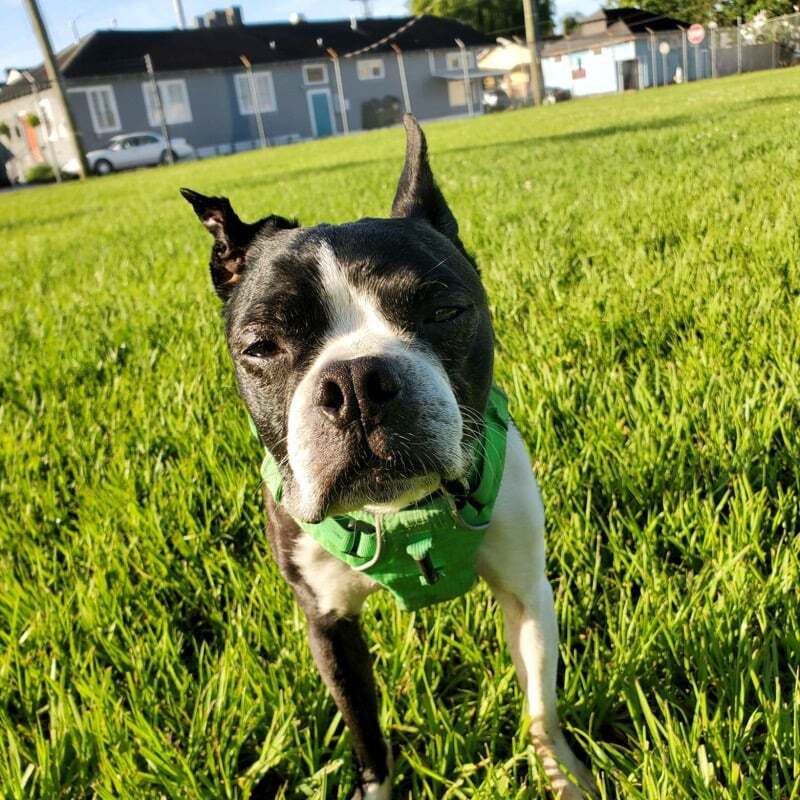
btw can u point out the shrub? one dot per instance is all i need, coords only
(41, 173)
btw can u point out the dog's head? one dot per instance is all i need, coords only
(363, 351)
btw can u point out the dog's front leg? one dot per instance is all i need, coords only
(345, 665)
(331, 596)
(512, 562)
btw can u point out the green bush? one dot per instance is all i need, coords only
(41, 173)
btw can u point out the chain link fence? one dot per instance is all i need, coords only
(762, 43)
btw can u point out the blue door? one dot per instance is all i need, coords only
(321, 109)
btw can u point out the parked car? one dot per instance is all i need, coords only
(130, 150)
(495, 100)
(553, 94)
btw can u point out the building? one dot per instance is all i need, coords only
(427, 64)
(613, 50)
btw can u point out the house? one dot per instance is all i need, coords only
(613, 50)
(309, 79)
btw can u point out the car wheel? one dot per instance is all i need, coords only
(103, 167)
(165, 157)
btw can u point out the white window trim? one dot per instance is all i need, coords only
(457, 54)
(320, 65)
(152, 116)
(113, 104)
(47, 113)
(370, 77)
(241, 83)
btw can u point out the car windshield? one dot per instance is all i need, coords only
(115, 144)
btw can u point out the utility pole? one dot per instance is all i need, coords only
(57, 82)
(177, 6)
(47, 141)
(532, 38)
(162, 120)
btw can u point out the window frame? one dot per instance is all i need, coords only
(150, 104)
(318, 65)
(241, 83)
(362, 62)
(96, 126)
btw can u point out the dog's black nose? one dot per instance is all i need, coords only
(362, 388)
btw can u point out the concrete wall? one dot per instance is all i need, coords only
(49, 138)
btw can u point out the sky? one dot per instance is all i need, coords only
(18, 46)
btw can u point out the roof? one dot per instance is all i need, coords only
(21, 87)
(622, 25)
(115, 52)
(637, 20)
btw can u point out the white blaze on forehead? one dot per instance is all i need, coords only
(349, 309)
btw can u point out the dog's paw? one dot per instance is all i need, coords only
(569, 779)
(374, 791)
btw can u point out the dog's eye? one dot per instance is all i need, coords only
(263, 348)
(445, 314)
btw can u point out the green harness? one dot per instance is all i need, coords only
(425, 553)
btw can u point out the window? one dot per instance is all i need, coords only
(370, 69)
(315, 74)
(174, 100)
(103, 109)
(456, 94)
(50, 130)
(265, 93)
(452, 60)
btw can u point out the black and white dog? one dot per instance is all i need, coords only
(364, 354)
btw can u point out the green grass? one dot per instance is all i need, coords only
(642, 254)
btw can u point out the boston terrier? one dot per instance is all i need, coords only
(364, 355)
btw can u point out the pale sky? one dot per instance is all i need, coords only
(18, 46)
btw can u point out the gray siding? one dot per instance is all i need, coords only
(218, 123)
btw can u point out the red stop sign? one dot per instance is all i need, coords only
(696, 33)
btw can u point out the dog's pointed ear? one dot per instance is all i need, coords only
(232, 237)
(417, 193)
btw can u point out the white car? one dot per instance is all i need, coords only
(130, 150)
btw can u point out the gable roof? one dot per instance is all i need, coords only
(115, 52)
(637, 20)
(620, 25)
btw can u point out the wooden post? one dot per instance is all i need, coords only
(57, 82)
(532, 38)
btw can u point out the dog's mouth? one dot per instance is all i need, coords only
(390, 479)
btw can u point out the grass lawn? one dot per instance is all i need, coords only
(642, 254)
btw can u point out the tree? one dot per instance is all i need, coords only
(724, 12)
(489, 16)
(569, 23)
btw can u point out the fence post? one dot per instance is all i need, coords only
(713, 32)
(403, 83)
(342, 105)
(738, 44)
(148, 63)
(653, 61)
(465, 69)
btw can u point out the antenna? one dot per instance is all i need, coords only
(367, 7)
